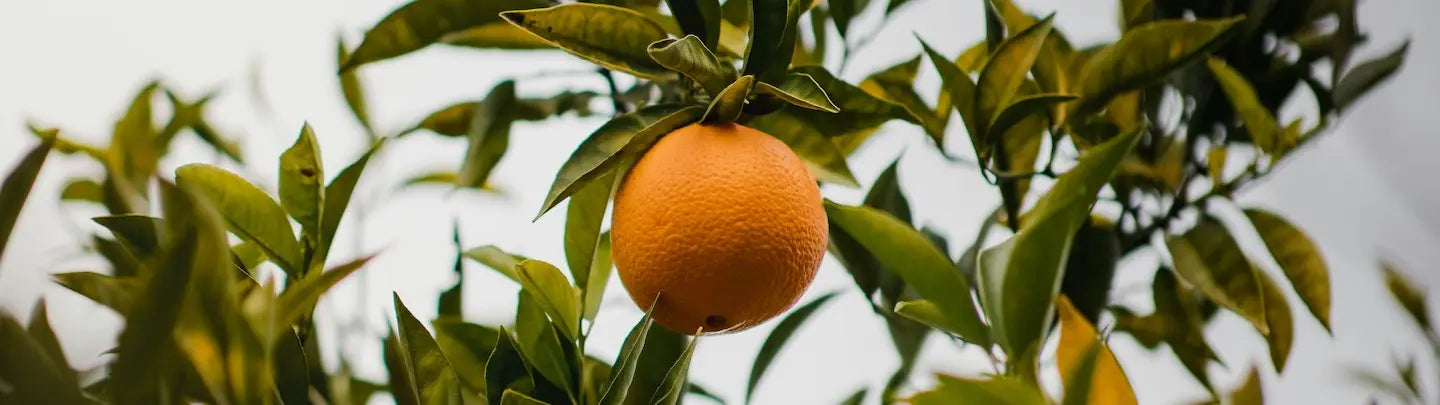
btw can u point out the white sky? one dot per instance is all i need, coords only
(76, 63)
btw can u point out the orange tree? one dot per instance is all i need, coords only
(1141, 136)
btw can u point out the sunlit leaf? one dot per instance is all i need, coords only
(423, 22)
(436, 177)
(489, 135)
(250, 213)
(1208, 258)
(673, 386)
(337, 198)
(609, 36)
(1299, 258)
(538, 342)
(1108, 384)
(16, 187)
(908, 253)
(926, 312)
(1168, 44)
(554, 294)
(496, 259)
(132, 149)
(691, 58)
(626, 362)
(1002, 75)
(998, 390)
(434, 380)
(302, 183)
(730, 102)
(778, 338)
(800, 90)
(1261, 126)
(1359, 80)
(496, 35)
(600, 151)
(1407, 294)
(1279, 320)
(700, 18)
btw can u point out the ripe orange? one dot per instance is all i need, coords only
(723, 222)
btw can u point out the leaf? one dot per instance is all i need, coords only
(1171, 44)
(350, 86)
(1108, 384)
(132, 151)
(844, 11)
(727, 106)
(1299, 258)
(583, 219)
(1090, 268)
(962, 91)
(998, 390)
(1261, 126)
(777, 339)
(860, 113)
(435, 381)
(858, 398)
(44, 337)
(538, 342)
(690, 57)
(927, 313)
(773, 28)
(489, 135)
(822, 159)
(513, 397)
(556, 296)
(302, 183)
(800, 90)
(1020, 278)
(1002, 75)
(83, 190)
(1249, 393)
(31, 377)
(423, 22)
(298, 299)
(467, 346)
(600, 271)
(673, 386)
(16, 187)
(496, 35)
(453, 120)
(623, 372)
(1364, 77)
(1279, 320)
(896, 84)
(139, 234)
(496, 259)
(337, 198)
(905, 251)
(1405, 292)
(602, 149)
(505, 367)
(436, 177)
(700, 18)
(612, 37)
(250, 213)
(116, 293)
(1209, 259)
(1021, 108)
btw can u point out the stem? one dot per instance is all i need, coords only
(1008, 191)
(620, 107)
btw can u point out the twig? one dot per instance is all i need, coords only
(620, 107)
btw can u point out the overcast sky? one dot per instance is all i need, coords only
(1364, 192)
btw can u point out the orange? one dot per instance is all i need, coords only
(723, 223)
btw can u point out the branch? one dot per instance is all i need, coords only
(620, 107)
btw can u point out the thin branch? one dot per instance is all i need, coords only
(620, 107)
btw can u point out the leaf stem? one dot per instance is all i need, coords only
(620, 107)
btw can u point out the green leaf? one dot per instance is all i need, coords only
(1279, 320)
(453, 120)
(1299, 258)
(998, 390)
(869, 274)
(350, 86)
(139, 234)
(1261, 126)
(1407, 294)
(1090, 268)
(538, 342)
(860, 113)
(1020, 278)
(132, 151)
(583, 219)
(600, 271)
(116, 293)
(505, 367)
(337, 198)
(609, 36)
(434, 380)
(250, 213)
(423, 22)
(1170, 45)
(489, 135)
(1364, 77)
(896, 84)
(298, 299)
(436, 177)
(845, 11)
(43, 336)
(700, 18)
(800, 90)
(1208, 258)
(962, 91)
(513, 397)
(629, 133)
(927, 313)
(553, 292)
(777, 339)
(690, 57)
(626, 362)
(1005, 71)
(31, 377)
(673, 386)
(496, 259)
(1022, 107)
(773, 27)
(496, 35)
(858, 398)
(910, 254)
(467, 346)
(16, 187)
(83, 190)
(302, 183)
(727, 105)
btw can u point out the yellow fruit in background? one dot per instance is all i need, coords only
(724, 223)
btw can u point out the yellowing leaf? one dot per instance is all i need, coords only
(16, 187)
(1167, 45)
(1003, 73)
(250, 213)
(1299, 258)
(1279, 320)
(609, 36)
(1208, 258)
(496, 35)
(1108, 384)
(302, 182)
(1261, 126)
(423, 22)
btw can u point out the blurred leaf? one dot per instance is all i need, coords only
(773, 26)
(1249, 393)
(1108, 384)
(905, 251)
(1208, 258)
(43, 336)
(83, 190)
(250, 213)
(16, 187)
(1022, 107)
(1173, 44)
(629, 133)
(1405, 292)
(422, 22)
(1002, 75)
(496, 35)
(489, 135)
(1261, 126)
(132, 149)
(1215, 163)
(467, 346)
(800, 90)
(700, 18)
(600, 271)
(337, 198)
(845, 11)
(402, 385)
(1021, 146)
(302, 183)
(559, 299)
(663, 348)
(896, 84)
(505, 368)
(690, 57)
(609, 36)
(623, 373)
(436, 177)
(1020, 278)
(730, 102)
(1365, 76)
(192, 115)
(1079, 379)
(957, 84)
(583, 219)
(513, 397)
(435, 381)
(139, 234)
(927, 313)
(1090, 269)
(997, 390)
(350, 86)
(858, 397)
(453, 120)
(673, 386)
(1279, 320)
(777, 339)
(117, 293)
(299, 299)
(538, 343)
(1299, 258)
(496, 259)
(30, 376)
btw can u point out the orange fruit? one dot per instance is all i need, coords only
(723, 222)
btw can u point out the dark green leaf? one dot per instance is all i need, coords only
(691, 58)
(299, 299)
(777, 339)
(302, 183)
(31, 377)
(1002, 75)
(858, 398)
(43, 336)
(402, 385)
(820, 155)
(1168, 44)
(1365, 76)
(250, 213)
(1261, 126)
(582, 227)
(897, 85)
(1208, 258)
(139, 234)
(773, 27)
(1408, 295)
(609, 36)
(1022, 107)
(16, 187)
(505, 368)
(453, 120)
(629, 133)
(116, 293)
(1090, 268)
(496, 259)
(700, 18)
(626, 362)
(958, 85)
(350, 86)
(663, 348)
(673, 386)
(489, 135)
(467, 346)
(1299, 258)
(1279, 319)
(727, 105)
(845, 11)
(800, 90)
(423, 22)
(997, 390)
(434, 380)
(337, 198)
(554, 294)
(83, 190)
(538, 342)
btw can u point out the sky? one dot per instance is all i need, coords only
(1361, 192)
